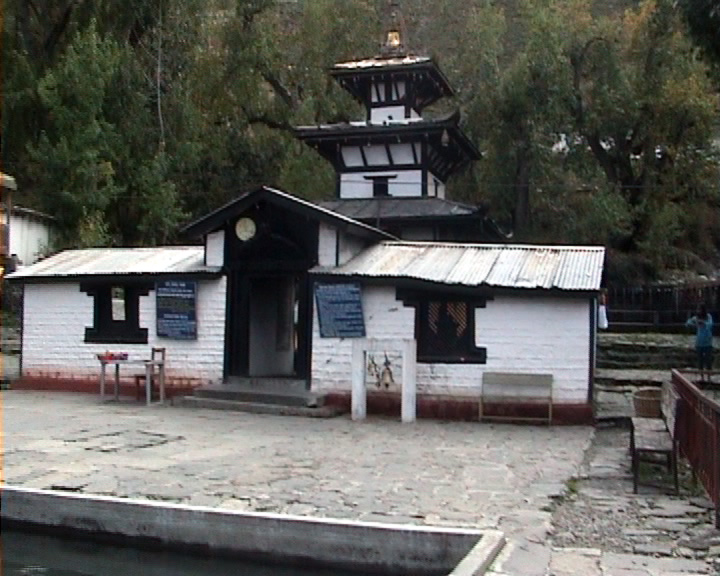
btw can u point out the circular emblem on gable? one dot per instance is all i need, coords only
(245, 229)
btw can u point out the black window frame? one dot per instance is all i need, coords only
(106, 330)
(467, 351)
(381, 185)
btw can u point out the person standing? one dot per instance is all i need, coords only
(602, 319)
(703, 323)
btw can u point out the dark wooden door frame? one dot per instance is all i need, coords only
(237, 355)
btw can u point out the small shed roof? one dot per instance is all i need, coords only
(568, 268)
(7, 181)
(116, 262)
(32, 213)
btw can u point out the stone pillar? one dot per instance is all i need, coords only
(358, 408)
(409, 381)
(408, 385)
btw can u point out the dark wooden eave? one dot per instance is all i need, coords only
(449, 149)
(428, 81)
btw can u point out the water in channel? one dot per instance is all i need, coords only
(29, 554)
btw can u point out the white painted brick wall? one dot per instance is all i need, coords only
(540, 334)
(337, 247)
(327, 245)
(350, 246)
(521, 334)
(56, 315)
(215, 248)
(385, 317)
(405, 183)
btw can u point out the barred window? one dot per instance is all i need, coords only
(446, 333)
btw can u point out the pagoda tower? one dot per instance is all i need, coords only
(392, 167)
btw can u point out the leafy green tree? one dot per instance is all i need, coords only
(598, 130)
(74, 158)
(94, 114)
(644, 106)
(125, 118)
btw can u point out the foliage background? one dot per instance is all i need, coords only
(597, 120)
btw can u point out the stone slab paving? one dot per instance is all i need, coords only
(551, 490)
(601, 526)
(430, 472)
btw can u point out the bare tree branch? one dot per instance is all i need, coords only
(279, 89)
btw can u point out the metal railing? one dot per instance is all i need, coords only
(698, 435)
(659, 308)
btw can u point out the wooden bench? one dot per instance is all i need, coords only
(653, 437)
(516, 388)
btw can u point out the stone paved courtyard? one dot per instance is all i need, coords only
(514, 478)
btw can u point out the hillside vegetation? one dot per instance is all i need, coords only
(127, 118)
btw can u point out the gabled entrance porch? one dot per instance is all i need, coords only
(267, 241)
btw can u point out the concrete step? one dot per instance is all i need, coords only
(283, 393)
(613, 391)
(645, 363)
(10, 346)
(259, 407)
(643, 352)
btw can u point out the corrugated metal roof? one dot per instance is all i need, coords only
(7, 181)
(17, 209)
(573, 268)
(118, 262)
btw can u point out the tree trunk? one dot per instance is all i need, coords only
(521, 215)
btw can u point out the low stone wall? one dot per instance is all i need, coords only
(645, 351)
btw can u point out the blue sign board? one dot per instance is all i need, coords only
(339, 308)
(176, 304)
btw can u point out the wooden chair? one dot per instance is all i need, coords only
(155, 355)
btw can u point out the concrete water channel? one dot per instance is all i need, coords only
(28, 553)
(266, 539)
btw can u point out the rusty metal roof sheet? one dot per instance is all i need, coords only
(118, 262)
(572, 268)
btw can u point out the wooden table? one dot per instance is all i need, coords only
(149, 365)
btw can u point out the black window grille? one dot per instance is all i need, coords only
(116, 314)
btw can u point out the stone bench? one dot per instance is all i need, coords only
(516, 388)
(653, 437)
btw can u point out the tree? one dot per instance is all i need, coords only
(643, 106)
(597, 130)
(127, 117)
(74, 157)
(703, 18)
(83, 125)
